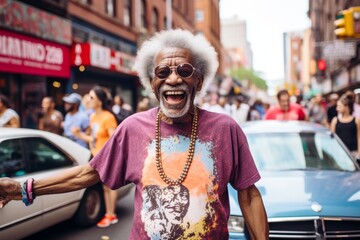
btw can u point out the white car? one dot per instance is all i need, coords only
(26, 153)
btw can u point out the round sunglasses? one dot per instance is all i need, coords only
(184, 70)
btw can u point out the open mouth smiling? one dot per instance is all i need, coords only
(174, 97)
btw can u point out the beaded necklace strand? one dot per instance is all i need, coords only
(189, 159)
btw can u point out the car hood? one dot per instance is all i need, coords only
(309, 193)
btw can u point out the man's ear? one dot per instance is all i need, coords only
(200, 81)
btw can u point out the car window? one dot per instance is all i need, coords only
(43, 155)
(12, 161)
(28, 155)
(286, 151)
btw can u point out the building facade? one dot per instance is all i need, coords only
(340, 55)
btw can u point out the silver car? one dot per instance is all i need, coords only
(310, 182)
(26, 153)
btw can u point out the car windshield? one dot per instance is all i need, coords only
(299, 151)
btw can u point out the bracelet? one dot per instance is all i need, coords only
(24, 196)
(30, 190)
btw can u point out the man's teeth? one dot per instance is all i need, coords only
(174, 93)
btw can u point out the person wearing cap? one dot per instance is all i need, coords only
(75, 119)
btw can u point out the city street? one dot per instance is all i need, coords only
(118, 231)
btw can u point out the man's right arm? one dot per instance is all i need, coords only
(69, 180)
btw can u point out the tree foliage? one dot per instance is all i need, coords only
(242, 74)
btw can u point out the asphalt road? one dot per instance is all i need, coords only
(118, 231)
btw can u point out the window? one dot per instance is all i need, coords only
(289, 151)
(110, 6)
(12, 162)
(154, 20)
(199, 15)
(86, 2)
(45, 156)
(165, 23)
(19, 157)
(143, 14)
(127, 13)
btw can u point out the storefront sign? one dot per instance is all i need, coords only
(90, 54)
(22, 54)
(24, 18)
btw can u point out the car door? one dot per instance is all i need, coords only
(17, 220)
(45, 158)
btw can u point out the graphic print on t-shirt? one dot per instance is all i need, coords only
(187, 211)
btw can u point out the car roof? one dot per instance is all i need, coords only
(7, 132)
(278, 126)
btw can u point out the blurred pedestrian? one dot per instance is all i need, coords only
(50, 119)
(346, 126)
(331, 111)
(8, 117)
(103, 124)
(254, 114)
(356, 112)
(240, 110)
(86, 105)
(75, 119)
(316, 110)
(143, 105)
(285, 110)
(121, 109)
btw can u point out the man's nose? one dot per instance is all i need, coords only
(174, 78)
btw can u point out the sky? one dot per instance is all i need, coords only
(266, 21)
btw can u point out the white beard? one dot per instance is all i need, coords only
(175, 113)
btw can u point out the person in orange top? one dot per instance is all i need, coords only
(103, 124)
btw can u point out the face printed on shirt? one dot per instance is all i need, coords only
(165, 208)
(172, 212)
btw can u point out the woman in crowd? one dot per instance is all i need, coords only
(345, 125)
(8, 117)
(103, 124)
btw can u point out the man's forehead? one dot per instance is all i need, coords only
(171, 53)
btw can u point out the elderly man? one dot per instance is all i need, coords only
(174, 146)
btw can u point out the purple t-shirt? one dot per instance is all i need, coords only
(199, 207)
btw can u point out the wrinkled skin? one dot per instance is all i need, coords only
(9, 190)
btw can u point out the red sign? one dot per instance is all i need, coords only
(22, 54)
(24, 18)
(91, 54)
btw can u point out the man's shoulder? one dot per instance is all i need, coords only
(143, 116)
(215, 118)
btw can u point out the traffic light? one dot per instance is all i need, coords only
(322, 65)
(321, 69)
(344, 24)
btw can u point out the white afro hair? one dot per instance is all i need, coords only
(204, 55)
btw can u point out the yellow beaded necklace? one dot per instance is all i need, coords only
(158, 161)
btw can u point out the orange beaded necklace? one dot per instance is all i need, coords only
(158, 161)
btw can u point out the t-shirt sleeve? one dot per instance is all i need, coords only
(110, 162)
(244, 172)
